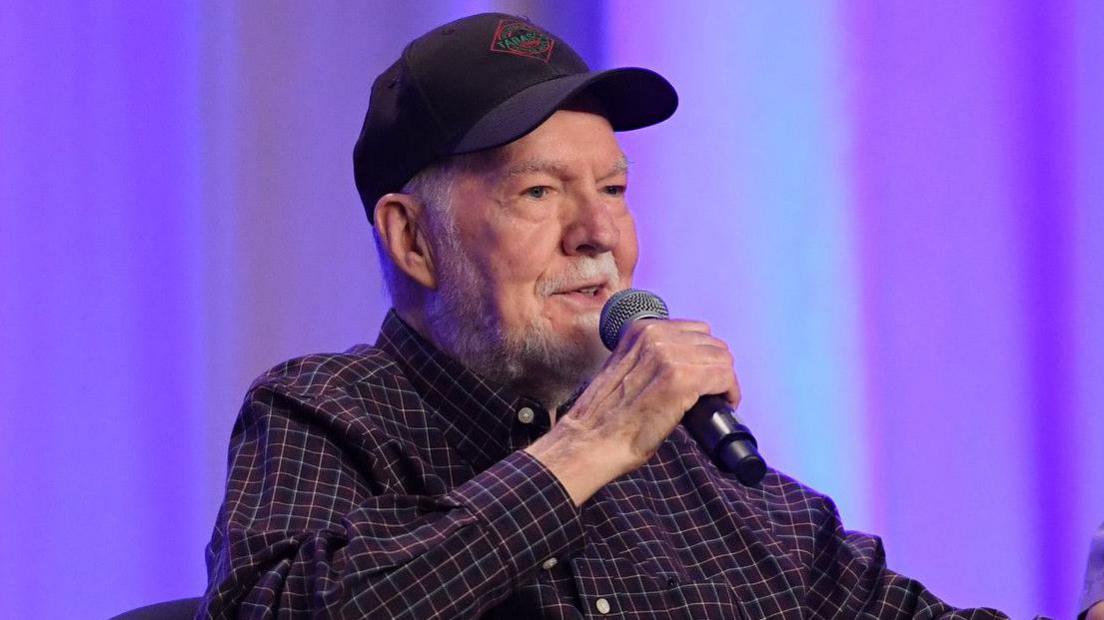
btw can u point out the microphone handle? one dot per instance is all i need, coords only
(713, 423)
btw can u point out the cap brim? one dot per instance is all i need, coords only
(631, 98)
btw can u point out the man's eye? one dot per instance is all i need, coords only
(614, 190)
(539, 191)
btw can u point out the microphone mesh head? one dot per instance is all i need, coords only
(623, 308)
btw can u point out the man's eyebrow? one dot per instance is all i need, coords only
(621, 167)
(531, 166)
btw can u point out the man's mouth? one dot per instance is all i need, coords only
(586, 282)
(588, 293)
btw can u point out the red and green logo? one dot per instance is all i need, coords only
(521, 38)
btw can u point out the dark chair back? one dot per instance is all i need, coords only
(180, 609)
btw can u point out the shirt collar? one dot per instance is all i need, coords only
(483, 420)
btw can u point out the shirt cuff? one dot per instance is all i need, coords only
(527, 508)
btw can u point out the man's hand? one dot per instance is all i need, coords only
(658, 371)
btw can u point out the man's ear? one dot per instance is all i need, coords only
(399, 224)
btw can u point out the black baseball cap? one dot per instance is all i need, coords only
(480, 82)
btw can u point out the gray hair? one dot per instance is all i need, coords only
(433, 188)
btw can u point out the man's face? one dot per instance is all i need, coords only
(540, 240)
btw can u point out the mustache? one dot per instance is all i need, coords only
(580, 272)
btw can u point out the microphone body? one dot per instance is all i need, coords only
(711, 421)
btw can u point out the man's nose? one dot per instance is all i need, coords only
(591, 229)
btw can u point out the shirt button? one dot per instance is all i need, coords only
(549, 563)
(525, 415)
(602, 605)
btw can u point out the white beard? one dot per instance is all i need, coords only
(531, 360)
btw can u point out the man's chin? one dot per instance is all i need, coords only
(581, 343)
(577, 327)
(547, 359)
(554, 364)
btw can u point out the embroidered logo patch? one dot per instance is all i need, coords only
(522, 39)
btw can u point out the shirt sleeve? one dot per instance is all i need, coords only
(314, 524)
(1093, 592)
(849, 578)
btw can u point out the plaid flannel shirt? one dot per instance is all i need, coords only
(389, 482)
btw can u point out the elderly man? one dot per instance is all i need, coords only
(458, 468)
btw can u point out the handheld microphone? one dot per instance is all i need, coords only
(711, 421)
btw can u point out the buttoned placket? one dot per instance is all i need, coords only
(530, 421)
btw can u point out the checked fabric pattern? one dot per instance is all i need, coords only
(388, 482)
